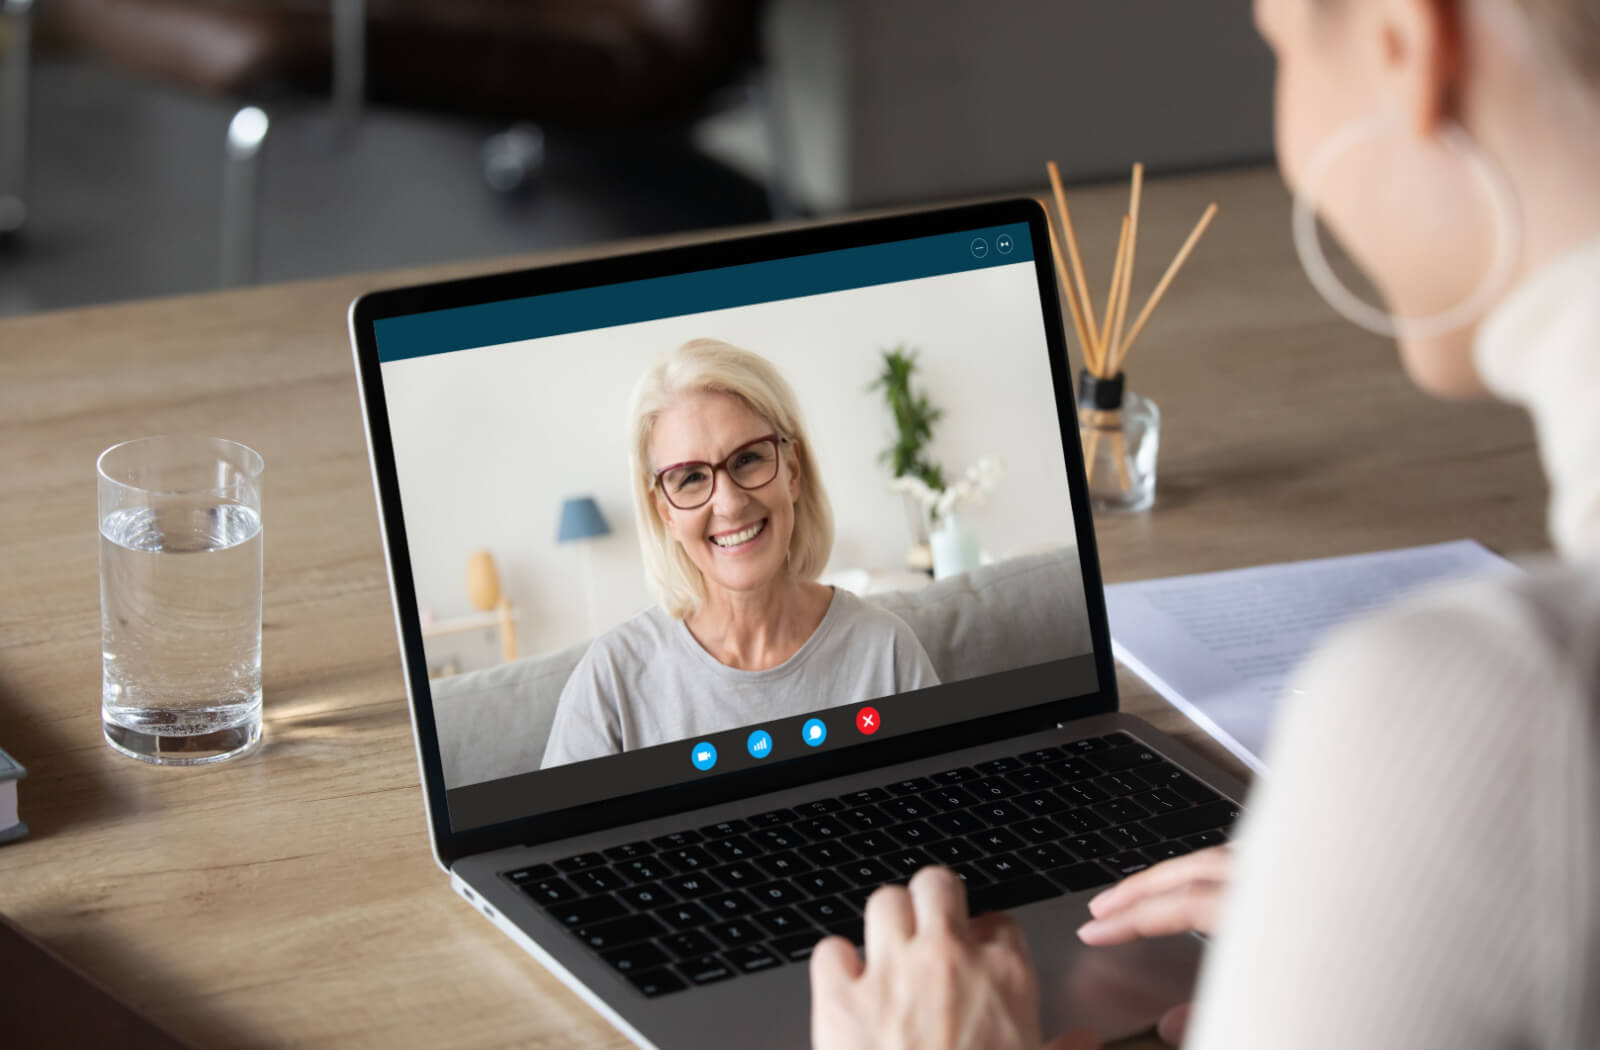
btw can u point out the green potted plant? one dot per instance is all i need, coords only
(914, 417)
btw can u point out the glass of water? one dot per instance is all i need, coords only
(180, 599)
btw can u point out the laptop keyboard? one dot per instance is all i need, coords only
(742, 896)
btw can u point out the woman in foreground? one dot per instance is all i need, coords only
(1422, 869)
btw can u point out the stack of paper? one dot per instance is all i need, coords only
(1220, 646)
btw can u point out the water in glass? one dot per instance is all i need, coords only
(180, 603)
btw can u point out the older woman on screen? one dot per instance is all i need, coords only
(735, 528)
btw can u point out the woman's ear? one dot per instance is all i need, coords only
(1421, 42)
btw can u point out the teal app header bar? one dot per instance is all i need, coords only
(629, 302)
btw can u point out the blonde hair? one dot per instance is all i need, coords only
(710, 365)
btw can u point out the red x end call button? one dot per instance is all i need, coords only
(867, 720)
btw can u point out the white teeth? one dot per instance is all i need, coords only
(743, 536)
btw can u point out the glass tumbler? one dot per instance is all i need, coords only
(180, 599)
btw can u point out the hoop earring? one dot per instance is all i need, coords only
(1502, 203)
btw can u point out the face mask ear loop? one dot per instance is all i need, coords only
(1505, 211)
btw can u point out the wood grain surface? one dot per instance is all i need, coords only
(289, 899)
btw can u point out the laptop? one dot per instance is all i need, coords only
(670, 832)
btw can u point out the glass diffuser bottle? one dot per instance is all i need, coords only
(1121, 434)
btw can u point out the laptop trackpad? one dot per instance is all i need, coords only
(1115, 991)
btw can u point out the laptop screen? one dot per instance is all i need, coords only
(680, 527)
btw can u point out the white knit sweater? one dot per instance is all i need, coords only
(1421, 870)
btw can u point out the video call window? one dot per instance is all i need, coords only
(666, 500)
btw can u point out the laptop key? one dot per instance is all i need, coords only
(851, 930)
(1090, 846)
(825, 910)
(1130, 836)
(652, 983)
(1162, 801)
(916, 833)
(907, 862)
(956, 823)
(1045, 856)
(1125, 864)
(752, 958)
(862, 818)
(1075, 878)
(708, 969)
(969, 874)
(1040, 804)
(597, 880)
(994, 789)
(910, 807)
(630, 850)
(676, 840)
(579, 861)
(1120, 810)
(820, 808)
(784, 863)
(532, 874)
(823, 828)
(797, 948)
(959, 775)
(732, 934)
(588, 910)
(948, 798)
(996, 766)
(1082, 793)
(865, 796)
(782, 921)
(1013, 893)
(779, 838)
(1168, 850)
(1206, 839)
(995, 840)
(618, 932)
(1085, 747)
(912, 786)
(648, 897)
(725, 828)
(641, 956)
(1125, 758)
(954, 851)
(867, 872)
(1033, 778)
(776, 894)
(1189, 821)
(1121, 785)
(1000, 813)
(871, 843)
(688, 944)
(644, 869)
(551, 890)
(826, 854)
(729, 905)
(691, 858)
(735, 847)
(1079, 821)
(684, 916)
(1181, 783)
(821, 883)
(1037, 830)
(692, 886)
(1003, 868)
(1042, 755)
(1072, 770)
(773, 818)
(736, 876)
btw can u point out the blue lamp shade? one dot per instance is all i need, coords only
(581, 520)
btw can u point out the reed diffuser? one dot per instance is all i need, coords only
(1121, 431)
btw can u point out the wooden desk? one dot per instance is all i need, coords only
(289, 899)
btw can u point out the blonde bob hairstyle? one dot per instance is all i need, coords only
(711, 365)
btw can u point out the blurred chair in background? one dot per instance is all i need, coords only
(584, 65)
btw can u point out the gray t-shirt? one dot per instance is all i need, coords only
(650, 682)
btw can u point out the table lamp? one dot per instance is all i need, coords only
(581, 520)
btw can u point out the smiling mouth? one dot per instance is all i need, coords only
(726, 540)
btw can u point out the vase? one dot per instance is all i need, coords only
(955, 549)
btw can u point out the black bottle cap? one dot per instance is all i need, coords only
(1100, 394)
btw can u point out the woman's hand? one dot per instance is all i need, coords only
(931, 979)
(1175, 896)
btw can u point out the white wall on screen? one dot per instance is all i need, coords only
(489, 442)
